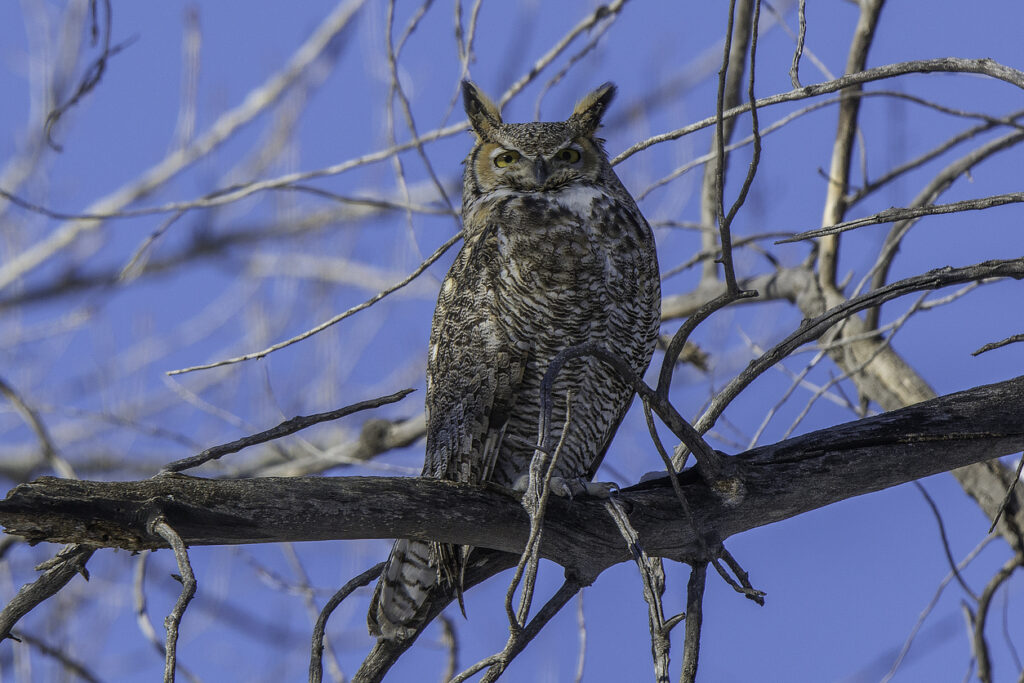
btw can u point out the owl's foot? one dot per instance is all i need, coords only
(571, 488)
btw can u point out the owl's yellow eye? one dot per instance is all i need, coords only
(507, 157)
(568, 155)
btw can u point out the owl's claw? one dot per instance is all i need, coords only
(571, 488)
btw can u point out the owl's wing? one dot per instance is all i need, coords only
(473, 371)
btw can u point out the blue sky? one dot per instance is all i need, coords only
(845, 584)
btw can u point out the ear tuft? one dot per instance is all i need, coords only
(483, 114)
(586, 117)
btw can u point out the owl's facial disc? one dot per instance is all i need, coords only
(535, 170)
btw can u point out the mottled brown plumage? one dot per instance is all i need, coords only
(556, 253)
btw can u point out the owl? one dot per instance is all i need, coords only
(555, 253)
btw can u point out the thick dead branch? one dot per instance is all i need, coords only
(782, 480)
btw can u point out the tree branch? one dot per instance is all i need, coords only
(782, 480)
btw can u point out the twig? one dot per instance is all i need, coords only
(319, 629)
(287, 427)
(985, 67)
(652, 577)
(981, 615)
(336, 319)
(226, 125)
(694, 620)
(999, 344)
(581, 629)
(306, 590)
(931, 605)
(588, 22)
(729, 84)
(794, 69)
(945, 541)
(942, 181)
(894, 214)
(50, 454)
(742, 583)
(1009, 494)
(59, 570)
(842, 147)
(70, 665)
(725, 219)
(172, 621)
(989, 123)
(498, 662)
(94, 72)
(713, 467)
(535, 500)
(814, 328)
(451, 643)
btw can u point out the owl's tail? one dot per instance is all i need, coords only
(402, 590)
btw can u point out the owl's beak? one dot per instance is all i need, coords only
(540, 170)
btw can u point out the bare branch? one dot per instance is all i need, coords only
(336, 319)
(284, 429)
(694, 619)
(58, 572)
(991, 346)
(846, 129)
(891, 215)
(981, 615)
(316, 671)
(782, 480)
(229, 122)
(985, 67)
(172, 622)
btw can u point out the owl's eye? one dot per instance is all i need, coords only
(506, 158)
(568, 155)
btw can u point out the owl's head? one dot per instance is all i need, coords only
(535, 156)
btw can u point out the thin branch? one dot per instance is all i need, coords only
(581, 629)
(535, 500)
(725, 223)
(981, 615)
(694, 620)
(991, 346)
(50, 454)
(172, 622)
(497, 663)
(59, 570)
(794, 69)
(730, 81)
(94, 73)
(842, 148)
(226, 125)
(451, 643)
(942, 181)
(287, 427)
(931, 605)
(336, 319)
(319, 629)
(985, 67)
(945, 541)
(601, 13)
(1009, 494)
(973, 132)
(816, 327)
(894, 214)
(70, 665)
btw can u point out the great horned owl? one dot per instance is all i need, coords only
(556, 253)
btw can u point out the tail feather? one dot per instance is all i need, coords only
(402, 590)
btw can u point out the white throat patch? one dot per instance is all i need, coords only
(577, 199)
